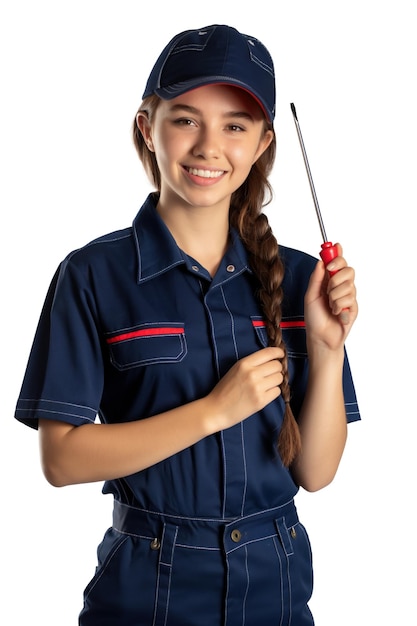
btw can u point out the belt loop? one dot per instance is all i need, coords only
(166, 556)
(284, 535)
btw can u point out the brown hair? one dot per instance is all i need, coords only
(247, 217)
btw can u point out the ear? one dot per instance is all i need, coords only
(264, 143)
(145, 128)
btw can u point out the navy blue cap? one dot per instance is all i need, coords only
(215, 54)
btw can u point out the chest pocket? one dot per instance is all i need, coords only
(145, 344)
(293, 333)
(294, 336)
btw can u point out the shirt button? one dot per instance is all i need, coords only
(293, 532)
(195, 268)
(155, 544)
(236, 535)
(230, 268)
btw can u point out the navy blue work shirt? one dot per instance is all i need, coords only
(132, 327)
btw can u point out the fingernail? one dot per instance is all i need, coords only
(344, 317)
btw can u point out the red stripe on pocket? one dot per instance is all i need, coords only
(145, 332)
(293, 324)
(287, 324)
(258, 324)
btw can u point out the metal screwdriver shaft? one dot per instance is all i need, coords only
(328, 250)
(310, 178)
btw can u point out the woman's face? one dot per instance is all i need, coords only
(205, 143)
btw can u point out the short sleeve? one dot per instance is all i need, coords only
(64, 375)
(298, 367)
(351, 402)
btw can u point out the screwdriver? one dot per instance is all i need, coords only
(328, 250)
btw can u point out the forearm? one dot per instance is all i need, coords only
(98, 452)
(322, 423)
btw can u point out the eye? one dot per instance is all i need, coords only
(184, 121)
(235, 128)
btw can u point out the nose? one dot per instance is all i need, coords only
(207, 144)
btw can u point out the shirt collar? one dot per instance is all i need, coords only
(157, 250)
(155, 246)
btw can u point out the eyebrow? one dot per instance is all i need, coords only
(195, 111)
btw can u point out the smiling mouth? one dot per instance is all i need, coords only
(205, 173)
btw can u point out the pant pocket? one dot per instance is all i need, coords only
(122, 590)
(302, 566)
(166, 557)
(293, 544)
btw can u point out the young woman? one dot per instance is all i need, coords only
(214, 359)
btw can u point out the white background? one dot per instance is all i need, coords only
(72, 76)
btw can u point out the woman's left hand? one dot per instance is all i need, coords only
(330, 303)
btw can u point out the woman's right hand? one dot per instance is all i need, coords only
(249, 385)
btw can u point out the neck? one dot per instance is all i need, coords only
(202, 233)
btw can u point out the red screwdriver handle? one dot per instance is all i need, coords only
(328, 253)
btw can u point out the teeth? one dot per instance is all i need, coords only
(205, 173)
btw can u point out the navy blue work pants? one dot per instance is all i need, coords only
(158, 570)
